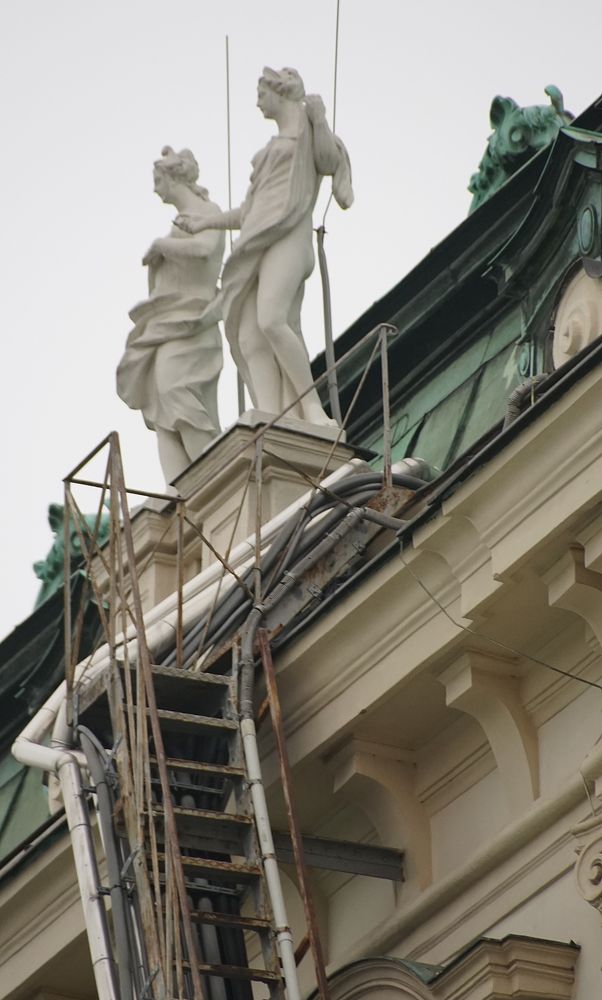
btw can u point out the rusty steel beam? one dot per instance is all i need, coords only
(343, 856)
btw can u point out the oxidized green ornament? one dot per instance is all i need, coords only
(519, 133)
(51, 569)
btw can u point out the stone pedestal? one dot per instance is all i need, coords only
(220, 497)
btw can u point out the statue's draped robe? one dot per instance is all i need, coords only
(169, 361)
(284, 186)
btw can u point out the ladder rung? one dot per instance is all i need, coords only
(209, 888)
(187, 676)
(235, 972)
(230, 920)
(229, 871)
(187, 786)
(220, 770)
(224, 822)
(183, 722)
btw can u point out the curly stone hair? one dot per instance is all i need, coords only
(182, 167)
(287, 82)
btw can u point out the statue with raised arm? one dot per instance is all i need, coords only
(172, 360)
(263, 279)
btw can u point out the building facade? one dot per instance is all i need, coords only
(442, 696)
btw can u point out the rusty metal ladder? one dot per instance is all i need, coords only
(195, 858)
(193, 870)
(193, 866)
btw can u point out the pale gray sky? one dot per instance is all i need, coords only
(92, 91)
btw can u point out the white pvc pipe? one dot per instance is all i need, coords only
(284, 937)
(87, 877)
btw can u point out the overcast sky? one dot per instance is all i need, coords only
(90, 94)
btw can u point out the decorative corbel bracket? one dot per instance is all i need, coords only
(381, 783)
(483, 686)
(574, 587)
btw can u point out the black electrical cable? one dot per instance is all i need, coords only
(97, 762)
(294, 540)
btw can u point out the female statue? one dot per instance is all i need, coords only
(172, 361)
(263, 279)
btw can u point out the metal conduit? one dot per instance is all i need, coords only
(295, 539)
(98, 763)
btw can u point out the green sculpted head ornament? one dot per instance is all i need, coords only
(519, 133)
(51, 569)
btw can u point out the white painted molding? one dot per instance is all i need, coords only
(517, 968)
(481, 686)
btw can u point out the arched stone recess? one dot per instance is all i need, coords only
(379, 979)
(483, 686)
(382, 784)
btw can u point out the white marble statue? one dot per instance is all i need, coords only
(263, 279)
(172, 361)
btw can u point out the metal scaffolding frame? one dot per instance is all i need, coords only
(161, 954)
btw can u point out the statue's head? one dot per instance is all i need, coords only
(275, 87)
(174, 170)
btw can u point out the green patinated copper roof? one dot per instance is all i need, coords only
(475, 317)
(23, 803)
(31, 667)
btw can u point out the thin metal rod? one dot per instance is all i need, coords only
(296, 839)
(180, 575)
(228, 133)
(301, 950)
(334, 95)
(384, 360)
(220, 558)
(128, 489)
(336, 67)
(226, 559)
(240, 386)
(69, 667)
(88, 457)
(89, 553)
(345, 421)
(258, 516)
(333, 392)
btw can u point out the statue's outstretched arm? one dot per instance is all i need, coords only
(198, 246)
(219, 220)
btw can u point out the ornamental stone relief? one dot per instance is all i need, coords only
(578, 319)
(588, 868)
